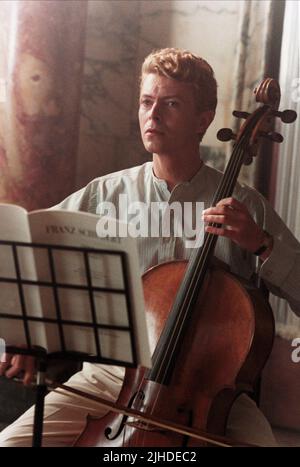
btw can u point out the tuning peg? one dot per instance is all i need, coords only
(239, 114)
(225, 134)
(276, 137)
(287, 116)
(272, 136)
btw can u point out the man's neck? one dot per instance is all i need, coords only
(174, 170)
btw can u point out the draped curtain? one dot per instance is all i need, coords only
(287, 201)
(41, 63)
(257, 57)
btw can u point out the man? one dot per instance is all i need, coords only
(177, 104)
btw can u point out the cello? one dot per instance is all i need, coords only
(208, 347)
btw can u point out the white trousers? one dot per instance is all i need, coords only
(65, 414)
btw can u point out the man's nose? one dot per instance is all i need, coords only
(156, 111)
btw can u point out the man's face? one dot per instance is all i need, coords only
(169, 120)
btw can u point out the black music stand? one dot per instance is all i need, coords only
(64, 352)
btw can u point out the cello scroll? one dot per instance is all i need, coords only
(260, 123)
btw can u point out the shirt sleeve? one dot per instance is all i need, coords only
(85, 199)
(281, 270)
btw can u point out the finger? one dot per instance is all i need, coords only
(213, 210)
(224, 216)
(29, 370)
(220, 219)
(17, 365)
(5, 363)
(232, 203)
(228, 232)
(224, 209)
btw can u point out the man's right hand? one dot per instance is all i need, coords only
(18, 365)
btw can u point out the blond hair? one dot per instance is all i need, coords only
(184, 66)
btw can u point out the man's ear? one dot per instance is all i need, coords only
(204, 120)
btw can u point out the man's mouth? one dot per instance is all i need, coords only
(153, 131)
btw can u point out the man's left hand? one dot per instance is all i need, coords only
(236, 224)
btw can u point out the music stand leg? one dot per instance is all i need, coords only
(41, 391)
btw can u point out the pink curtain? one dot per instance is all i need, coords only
(41, 68)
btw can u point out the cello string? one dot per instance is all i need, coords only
(209, 240)
(221, 193)
(237, 155)
(176, 330)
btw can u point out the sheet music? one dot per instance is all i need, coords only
(111, 308)
(14, 227)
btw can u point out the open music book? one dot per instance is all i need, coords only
(72, 295)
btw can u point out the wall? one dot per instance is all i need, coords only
(119, 35)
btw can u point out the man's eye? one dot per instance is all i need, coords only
(146, 102)
(172, 103)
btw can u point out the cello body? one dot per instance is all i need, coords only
(225, 356)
